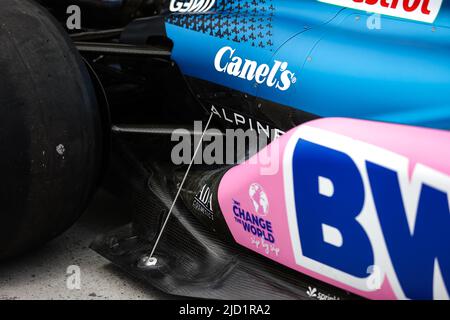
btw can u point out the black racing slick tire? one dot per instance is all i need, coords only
(50, 129)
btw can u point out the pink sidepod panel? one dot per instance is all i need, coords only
(357, 204)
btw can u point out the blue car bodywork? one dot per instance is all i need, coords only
(341, 61)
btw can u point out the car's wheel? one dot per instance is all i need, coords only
(50, 136)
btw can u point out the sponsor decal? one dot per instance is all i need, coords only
(352, 205)
(255, 222)
(183, 6)
(241, 121)
(276, 76)
(267, 248)
(203, 202)
(259, 199)
(252, 223)
(314, 293)
(419, 10)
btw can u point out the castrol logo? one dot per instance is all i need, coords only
(419, 10)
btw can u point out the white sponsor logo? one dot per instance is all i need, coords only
(259, 199)
(420, 10)
(191, 5)
(314, 293)
(277, 76)
(240, 120)
(203, 202)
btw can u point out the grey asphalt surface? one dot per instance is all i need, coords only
(42, 274)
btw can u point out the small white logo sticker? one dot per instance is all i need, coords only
(191, 5)
(259, 199)
(203, 202)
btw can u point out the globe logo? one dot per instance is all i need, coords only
(259, 199)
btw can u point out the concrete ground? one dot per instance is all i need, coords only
(42, 274)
